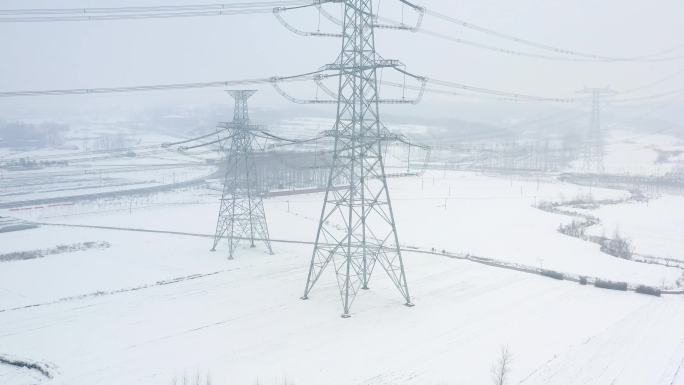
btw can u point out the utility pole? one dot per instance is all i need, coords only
(593, 148)
(363, 206)
(241, 214)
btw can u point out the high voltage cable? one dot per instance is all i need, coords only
(512, 95)
(193, 139)
(494, 48)
(292, 141)
(121, 13)
(307, 76)
(654, 83)
(87, 91)
(159, 87)
(136, 9)
(547, 47)
(394, 24)
(184, 148)
(149, 12)
(506, 94)
(447, 92)
(139, 16)
(648, 97)
(529, 54)
(644, 115)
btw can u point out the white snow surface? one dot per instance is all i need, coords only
(655, 227)
(154, 306)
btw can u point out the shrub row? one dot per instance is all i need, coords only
(552, 274)
(611, 285)
(648, 290)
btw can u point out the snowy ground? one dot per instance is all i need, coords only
(642, 154)
(84, 172)
(627, 152)
(655, 227)
(155, 306)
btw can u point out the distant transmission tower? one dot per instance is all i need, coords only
(357, 229)
(593, 149)
(241, 215)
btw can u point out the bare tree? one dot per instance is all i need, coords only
(502, 367)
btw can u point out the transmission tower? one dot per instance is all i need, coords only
(357, 229)
(241, 215)
(593, 149)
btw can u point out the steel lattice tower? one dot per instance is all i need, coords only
(593, 149)
(357, 227)
(241, 215)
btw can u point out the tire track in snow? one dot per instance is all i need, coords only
(629, 331)
(675, 376)
(545, 366)
(119, 291)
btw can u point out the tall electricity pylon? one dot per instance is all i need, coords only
(241, 215)
(357, 229)
(593, 148)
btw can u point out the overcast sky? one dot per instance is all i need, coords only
(37, 56)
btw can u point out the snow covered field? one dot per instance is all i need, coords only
(655, 226)
(155, 306)
(98, 171)
(642, 154)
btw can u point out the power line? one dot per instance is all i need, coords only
(224, 9)
(142, 16)
(191, 139)
(563, 51)
(292, 141)
(138, 9)
(418, 28)
(649, 97)
(120, 13)
(506, 94)
(158, 87)
(510, 96)
(220, 140)
(436, 91)
(494, 48)
(653, 83)
(512, 52)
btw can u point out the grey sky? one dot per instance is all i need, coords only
(119, 53)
